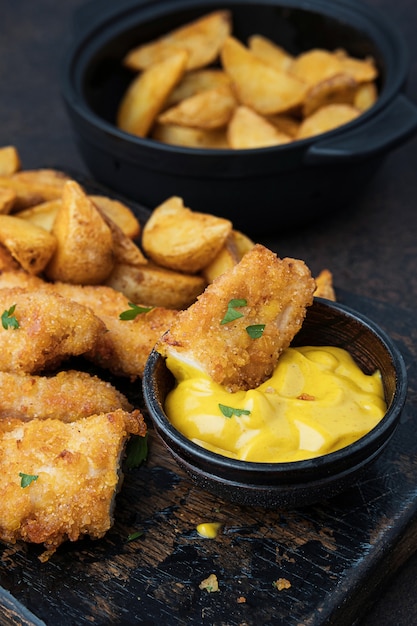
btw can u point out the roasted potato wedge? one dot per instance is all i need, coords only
(259, 85)
(324, 285)
(156, 286)
(146, 95)
(7, 200)
(270, 52)
(338, 89)
(248, 129)
(327, 118)
(315, 65)
(42, 214)
(366, 95)
(30, 245)
(34, 186)
(210, 109)
(9, 161)
(84, 254)
(119, 213)
(236, 245)
(362, 70)
(183, 240)
(190, 137)
(202, 39)
(197, 81)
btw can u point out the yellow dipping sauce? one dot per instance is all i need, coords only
(317, 401)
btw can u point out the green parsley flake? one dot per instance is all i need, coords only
(26, 479)
(8, 319)
(134, 536)
(229, 411)
(137, 451)
(231, 313)
(255, 331)
(134, 311)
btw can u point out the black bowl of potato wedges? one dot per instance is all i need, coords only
(257, 112)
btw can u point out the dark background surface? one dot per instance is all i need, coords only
(371, 248)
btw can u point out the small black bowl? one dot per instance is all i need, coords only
(301, 482)
(283, 186)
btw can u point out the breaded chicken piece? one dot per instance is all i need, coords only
(270, 292)
(67, 396)
(59, 480)
(124, 349)
(47, 330)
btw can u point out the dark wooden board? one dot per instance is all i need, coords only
(335, 554)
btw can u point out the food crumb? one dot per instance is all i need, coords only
(281, 584)
(210, 584)
(241, 600)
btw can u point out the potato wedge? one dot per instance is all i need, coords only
(30, 245)
(270, 52)
(286, 124)
(202, 39)
(362, 70)
(42, 214)
(209, 109)
(146, 95)
(315, 65)
(125, 249)
(338, 89)
(190, 137)
(197, 81)
(326, 119)
(249, 130)
(156, 286)
(34, 186)
(84, 253)
(7, 200)
(9, 161)
(366, 95)
(119, 213)
(324, 285)
(257, 84)
(236, 245)
(179, 239)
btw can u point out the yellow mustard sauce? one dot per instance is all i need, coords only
(317, 401)
(208, 530)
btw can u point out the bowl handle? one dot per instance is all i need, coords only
(389, 128)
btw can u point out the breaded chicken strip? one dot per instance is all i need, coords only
(239, 326)
(67, 396)
(59, 480)
(40, 329)
(124, 349)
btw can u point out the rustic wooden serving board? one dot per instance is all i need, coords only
(334, 554)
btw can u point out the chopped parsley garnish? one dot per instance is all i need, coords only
(231, 313)
(229, 411)
(134, 535)
(134, 311)
(137, 451)
(26, 479)
(8, 319)
(255, 331)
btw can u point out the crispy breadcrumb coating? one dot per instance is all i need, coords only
(277, 293)
(74, 472)
(50, 329)
(67, 396)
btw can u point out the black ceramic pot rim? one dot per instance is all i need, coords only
(292, 471)
(117, 18)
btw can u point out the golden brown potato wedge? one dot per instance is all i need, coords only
(270, 52)
(42, 214)
(324, 285)
(202, 39)
(146, 95)
(30, 245)
(34, 186)
(125, 249)
(7, 200)
(197, 81)
(315, 65)
(236, 245)
(84, 253)
(338, 89)
(209, 109)
(362, 70)
(326, 119)
(119, 213)
(183, 240)
(366, 95)
(190, 137)
(156, 286)
(248, 129)
(257, 84)
(287, 124)
(9, 161)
